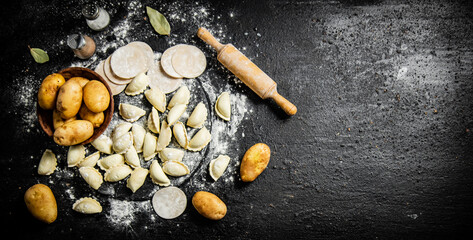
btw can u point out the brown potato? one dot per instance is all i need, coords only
(48, 91)
(209, 205)
(81, 80)
(41, 203)
(58, 121)
(69, 99)
(73, 132)
(96, 96)
(254, 162)
(95, 118)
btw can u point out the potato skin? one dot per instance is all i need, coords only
(48, 90)
(41, 203)
(96, 96)
(69, 99)
(81, 80)
(95, 118)
(58, 121)
(73, 132)
(209, 205)
(254, 162)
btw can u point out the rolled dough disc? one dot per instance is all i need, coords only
(111, 75)
(189, 61)
(159, 79)
(147, 50)
(128, 61)
(115, 88)
(169, 202)
(166, 61)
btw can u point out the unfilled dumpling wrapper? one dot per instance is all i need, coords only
(170, 202)
(159, 79)
(137, 85)
(130, 112)
(115, 88)
(146, 49)
(112, 76)
(189, 61)
(166, 61)
(128, 61)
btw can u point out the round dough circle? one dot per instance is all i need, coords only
(116, 89)
(189, 61)
(111, 76)
(128, 61)
(169, 202)
(147, 50)
(159, 79)
(166, 61)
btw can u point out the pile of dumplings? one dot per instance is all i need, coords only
(117, 157)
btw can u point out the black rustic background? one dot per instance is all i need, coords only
(381, 146)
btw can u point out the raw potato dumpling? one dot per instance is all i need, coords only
(48, 91)
(171, 154)
(121, 129)
(124, 142)
(95, 118)
(175, 169)
(164, 136)
(103, 144)
(157, 98)
(223, 106)
(117, 173)
(199, 140)
(131, 157)
(153, 121)
(198, 116)
(87, 206)
(138, 137)
(73, 132)
(130, 112)
(157, 175)
(69, 99)
(217, 166)
(41, 203)
(136, 179)
(175, 113)
(96, 96)
(181, 96)
(75, 155)
(90, 161)
(47, 164)
(149, 146)
(180, 133)
(92, 176)
(111, 161)
(137, 85)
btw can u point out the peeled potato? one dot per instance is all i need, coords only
(96, 96)
(209, 205)
(95, 118)
(41, 203)
(69, 99)
(254, 162)
(73, 132)
(48, 91)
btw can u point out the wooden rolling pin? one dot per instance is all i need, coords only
(247, 71)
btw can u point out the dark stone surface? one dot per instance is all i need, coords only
(381, 146)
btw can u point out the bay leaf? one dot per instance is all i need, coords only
(39, 55)
(158, 21)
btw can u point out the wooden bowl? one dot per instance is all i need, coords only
(45, 117)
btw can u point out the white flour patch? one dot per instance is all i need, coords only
(122, 213)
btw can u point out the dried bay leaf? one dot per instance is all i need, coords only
(39, 55)
(158, 21)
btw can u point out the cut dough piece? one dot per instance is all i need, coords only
(128, 61)
(166, 61)
(158, 78)
(112, 76)
(169, 202)
(189, 61)
(116, 88)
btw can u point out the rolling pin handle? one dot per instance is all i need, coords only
(289, 108)
(205, 35)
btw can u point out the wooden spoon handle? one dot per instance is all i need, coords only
(289, 108)
(205, 35)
